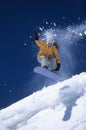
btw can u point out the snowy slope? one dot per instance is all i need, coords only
(58, 107)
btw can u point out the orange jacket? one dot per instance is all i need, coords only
(47, 51)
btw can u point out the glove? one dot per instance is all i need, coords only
(58, 67)
(36, 36)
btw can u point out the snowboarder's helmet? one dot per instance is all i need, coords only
(54, 44)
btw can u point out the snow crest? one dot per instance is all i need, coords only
(57, 107)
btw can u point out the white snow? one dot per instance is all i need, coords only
(54, 24)
(72, 33)
(80, 34)
(85, 32)
(61, 106)
(46, 22)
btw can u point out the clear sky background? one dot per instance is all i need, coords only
(18, 21)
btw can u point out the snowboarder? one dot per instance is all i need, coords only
(48, 54)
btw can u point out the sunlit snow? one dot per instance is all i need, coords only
(57, 107)
(85, 32)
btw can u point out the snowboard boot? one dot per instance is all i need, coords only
(45, 67)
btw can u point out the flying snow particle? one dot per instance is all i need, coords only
(63, 17)
(5, 84)
(46, 22)
(76, 33)
(25, 44)
(30, 36)
(73, 31)
(54, 35)
(49, 36)
(80, 34)
(10, 91)
(79, 18)
(69, 29)
(54, 24)
(40, 28)
(85, 32)
(59, 26)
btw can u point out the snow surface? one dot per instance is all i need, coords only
(61, 106)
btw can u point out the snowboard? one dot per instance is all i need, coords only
(45, 72)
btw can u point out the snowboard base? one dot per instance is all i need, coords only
(46, 72)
